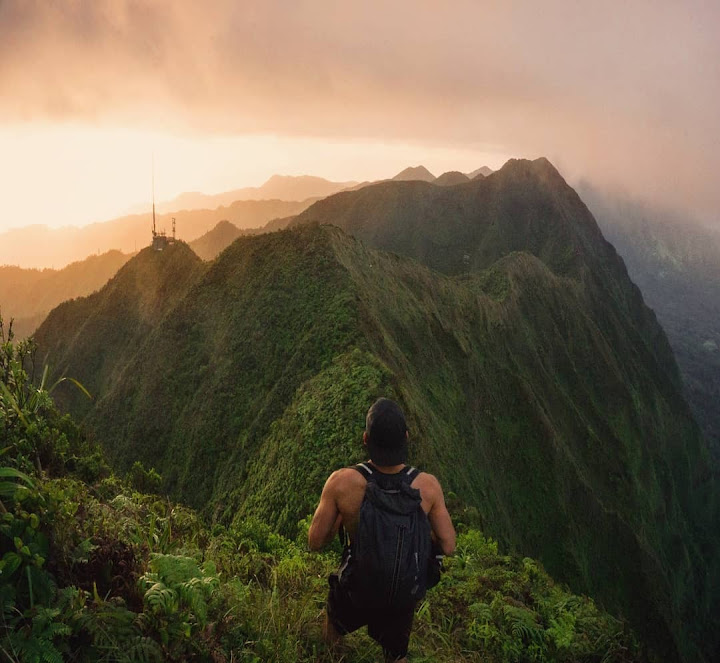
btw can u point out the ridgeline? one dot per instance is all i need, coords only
(100, 568)
(538, 386)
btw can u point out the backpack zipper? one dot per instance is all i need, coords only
(398, 556)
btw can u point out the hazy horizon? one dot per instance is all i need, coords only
(227, 96)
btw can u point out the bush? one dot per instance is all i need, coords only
(142, 480)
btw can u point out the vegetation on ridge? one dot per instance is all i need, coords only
(537, 385)
(92, 570)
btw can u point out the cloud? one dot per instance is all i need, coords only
(624, 93)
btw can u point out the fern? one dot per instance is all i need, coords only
(144, 650)
(562, 630)
(162, 599)
(193, 593)
(523, 624)
(109, 624)
(36, 643)
(174, 569)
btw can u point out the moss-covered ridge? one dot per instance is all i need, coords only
(91, 570)
(535, 394)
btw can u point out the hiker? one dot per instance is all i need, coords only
(395, 523)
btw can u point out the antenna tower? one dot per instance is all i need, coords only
(153, 194)
(173, 228)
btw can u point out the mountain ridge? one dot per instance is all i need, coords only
(451, 178)
(61, 246)
(676, 263)
(28, 295)
(289, 188)
(540, 367)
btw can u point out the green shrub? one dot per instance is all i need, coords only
(142, 480)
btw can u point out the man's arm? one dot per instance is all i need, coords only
(326, 521)
(439, 517)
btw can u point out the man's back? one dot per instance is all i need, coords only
(348, 608)
(345, 490)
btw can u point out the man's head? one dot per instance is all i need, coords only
(386, 433)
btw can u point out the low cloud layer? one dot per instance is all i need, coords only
(625, 94)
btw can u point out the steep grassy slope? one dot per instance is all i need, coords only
(107, 327)
(528, 206)
(28, 294)
(571, 443)
(93, 570)
(532, 397)
(525, 206)
(676, 264)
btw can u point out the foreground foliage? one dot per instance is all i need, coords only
(92, 570)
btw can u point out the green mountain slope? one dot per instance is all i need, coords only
(676, 264)
(93, 570)
(28, 294)
(108, 326)
(525, 206)
(538, 387)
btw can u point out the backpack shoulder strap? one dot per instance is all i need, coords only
(410, 473)
(365, 470)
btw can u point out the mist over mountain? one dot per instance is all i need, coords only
(40, 246)
(525, 351)
(278, 187)
(278, 199)
(676, 264)
(112, 323)
(27, 295)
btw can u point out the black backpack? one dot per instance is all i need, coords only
(388, 558)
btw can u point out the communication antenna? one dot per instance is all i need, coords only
(153, 194)
(173, 228)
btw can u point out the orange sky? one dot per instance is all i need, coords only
(227, 93)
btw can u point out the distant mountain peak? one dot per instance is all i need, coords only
(414, 173)
(224, 224)
(451, 178)
(541, 168)
(216, 240)
(282, 179)
(483, 171)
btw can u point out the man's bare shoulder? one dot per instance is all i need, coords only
(344, 478)
(427, 484)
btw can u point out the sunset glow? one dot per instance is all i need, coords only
(227, 95)
(73, 174)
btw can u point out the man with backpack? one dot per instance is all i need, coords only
(396, 521)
